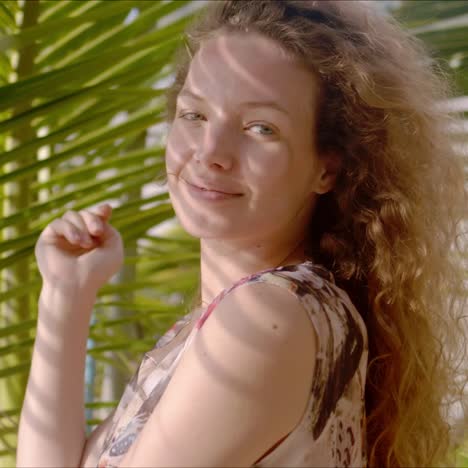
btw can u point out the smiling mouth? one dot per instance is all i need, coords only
(211, 190)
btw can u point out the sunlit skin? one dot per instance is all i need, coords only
(265, 154)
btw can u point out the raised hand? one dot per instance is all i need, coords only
(80, 250)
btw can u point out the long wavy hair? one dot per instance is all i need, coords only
(391, 229)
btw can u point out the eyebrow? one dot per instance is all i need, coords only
(273, 104)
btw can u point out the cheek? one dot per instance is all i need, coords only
(269, 175)
(177, 151)
(279, 187)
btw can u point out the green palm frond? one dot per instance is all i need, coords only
(81, 85)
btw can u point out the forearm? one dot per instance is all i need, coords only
(52, 423)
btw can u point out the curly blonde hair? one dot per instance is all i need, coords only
(390, 230)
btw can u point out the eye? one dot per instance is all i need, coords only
(264, 126)
(183, 115)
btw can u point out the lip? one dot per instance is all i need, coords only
(210, 195)
(209, 189)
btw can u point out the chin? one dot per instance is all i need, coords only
(201, 222)
(202, 228)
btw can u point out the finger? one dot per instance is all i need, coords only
(104, 211)
(77, 220)
(95, 224)
(64, 228)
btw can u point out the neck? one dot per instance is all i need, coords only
(222, 265)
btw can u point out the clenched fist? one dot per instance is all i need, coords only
(80, 250)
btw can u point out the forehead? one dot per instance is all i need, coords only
(233, 67)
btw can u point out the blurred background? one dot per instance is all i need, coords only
(81, 123)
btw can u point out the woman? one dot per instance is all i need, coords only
(308, 154)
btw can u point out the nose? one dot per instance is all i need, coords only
(215, 149)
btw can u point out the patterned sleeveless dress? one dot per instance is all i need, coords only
(331, 432)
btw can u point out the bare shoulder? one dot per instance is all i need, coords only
(267, 327)
(271, 314)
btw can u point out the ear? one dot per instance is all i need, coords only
(329, 168)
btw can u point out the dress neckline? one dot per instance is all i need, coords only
(321, 270)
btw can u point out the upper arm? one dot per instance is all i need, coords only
(241, 385)
(94, 442)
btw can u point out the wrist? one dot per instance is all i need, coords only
(69, 291)
(62, 301)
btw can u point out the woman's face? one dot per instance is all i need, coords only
(262, 152)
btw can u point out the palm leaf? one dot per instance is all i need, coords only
(73, 126)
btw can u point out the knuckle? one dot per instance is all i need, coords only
(85, 214)
(94, 222)
(57, 224)
(70, 216)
